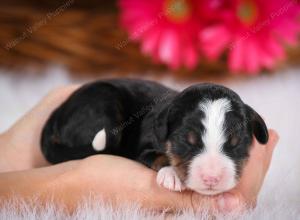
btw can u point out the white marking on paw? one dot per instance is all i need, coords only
(99, 141)
(168, 178)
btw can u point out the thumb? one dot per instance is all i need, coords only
(270, 146)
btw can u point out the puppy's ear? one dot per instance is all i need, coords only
(258, 125)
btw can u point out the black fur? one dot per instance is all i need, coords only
(139, 117)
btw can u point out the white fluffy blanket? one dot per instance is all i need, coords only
(276, 97)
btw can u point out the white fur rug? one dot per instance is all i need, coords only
(276, 97)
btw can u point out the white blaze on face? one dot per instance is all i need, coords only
(211, 171)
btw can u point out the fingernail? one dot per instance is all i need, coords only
(227, 202)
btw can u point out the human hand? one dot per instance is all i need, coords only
(20, 149)
(20, 145)
(127, 180)
(245, 194)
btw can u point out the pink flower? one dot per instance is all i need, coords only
(254, 32)
(167, 29)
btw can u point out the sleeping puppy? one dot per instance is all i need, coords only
(197, 139)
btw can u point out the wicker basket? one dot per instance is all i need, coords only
(84, 37)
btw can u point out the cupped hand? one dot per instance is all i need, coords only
(120, 179)
(127, 180)
(20, 145)
(245, 194)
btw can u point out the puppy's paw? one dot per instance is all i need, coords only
(168, 178)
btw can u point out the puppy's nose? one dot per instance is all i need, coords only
(210, 180)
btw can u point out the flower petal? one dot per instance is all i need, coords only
(150, 42)
(275, 49)
(266, 60)
(190, 56)
(168, 51)
(236, 56)
(251, 62)
(214, 40)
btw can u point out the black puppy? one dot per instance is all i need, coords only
(198, 138)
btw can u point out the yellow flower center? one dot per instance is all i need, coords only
(177, 10)
(247, 12)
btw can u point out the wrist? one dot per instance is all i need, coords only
(61, 184)
(5, 153)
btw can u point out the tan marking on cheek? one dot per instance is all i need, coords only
(160, 162)
(176, 162)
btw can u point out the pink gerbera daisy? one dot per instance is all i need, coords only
(168, 29)
(253, 31)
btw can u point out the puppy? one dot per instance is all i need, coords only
(197, 139)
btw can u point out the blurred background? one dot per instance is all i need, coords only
(88, 38)
(249, 46)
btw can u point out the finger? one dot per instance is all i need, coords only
(257, 166)
(261, 152)
(228, 202)
(270, 146)
(273, 139)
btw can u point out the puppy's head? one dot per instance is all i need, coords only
(209, 131)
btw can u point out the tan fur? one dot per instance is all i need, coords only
(176, 162)
(160, 162)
